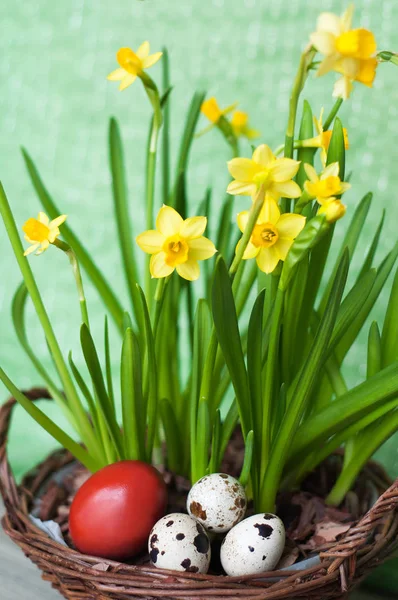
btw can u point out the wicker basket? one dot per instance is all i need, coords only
(80, 577)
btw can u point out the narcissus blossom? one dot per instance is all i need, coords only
(274, 174)
(41, 232)
(322, 140)
(132, 64)
(350, 52)
(241, 127)
(272, 235)
(213, 112)
(326, 186)
(333, 209)
(176, 244)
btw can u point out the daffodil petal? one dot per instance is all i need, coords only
(149, 61)
(283, 246)
(42, 218)
(239, 188)
(117, 74)
(288, 189)
(189, 270)
(242, 219)
(168, 221)
(345, 186)
(342, 88)
(290, 225)
(327, 65)
(126, 81)
(329, 22)
(324, 42)
(150, 241)
(243, 169)
(284, 169)
(267, 259)
(251, 251)
(193, 227)
(143, 50)
(270, 212)
(331, 170)
(58, 221)
(158, 266)
(346, 18)
(31, 249)
(43, 247)
(53, 234)
(311, 173)
(201, 248)
(263, 155)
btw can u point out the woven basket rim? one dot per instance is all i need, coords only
(79, 576)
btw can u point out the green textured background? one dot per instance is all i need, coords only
(56, 101)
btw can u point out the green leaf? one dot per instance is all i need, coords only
(254, 365)
(18, 318)
(228, 427)
(133, 410)
(203, 438)
(201, 337)
(383, 272)
(373, 248)
(108, 365)
(374, 364)
(85, 391)
(151, 378)
(336, 150)
(120, 200)
(389, 336)
(166, 129)
(305, 155)
(104, 289)
(314, 230)
(227, 329)
(247, 462)
(94, 368)
(56, 432)
(215, 444)
(172, 435)
(303, 389)
(347, 409)
(351, 306)
(225, 226)
(350, 240)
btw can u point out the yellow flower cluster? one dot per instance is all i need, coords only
(350, 52)
(41, 232)
(239, 121)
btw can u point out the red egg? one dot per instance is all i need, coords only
(114, 511)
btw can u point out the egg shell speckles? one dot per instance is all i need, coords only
(218, 501)
(179, 542)
(253, 546)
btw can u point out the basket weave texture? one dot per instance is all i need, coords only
(81, 577)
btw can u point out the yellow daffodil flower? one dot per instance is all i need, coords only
(132, 64)
(350, 52)
(176, 244)
(275, 174)
(322, 140)
(213, 112)
(326, 186)
(41, 232)
(333, 209)
(240, 125)
(272, 235)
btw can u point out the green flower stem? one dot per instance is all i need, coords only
(245, 239)
(159, 299)
(85, 429)
(270, 379)
(302, 73)
(332, 114)
(78, 277)
(154, 98)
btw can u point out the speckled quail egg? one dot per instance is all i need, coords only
(253, 546)
(179, 542)
(218, 501)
